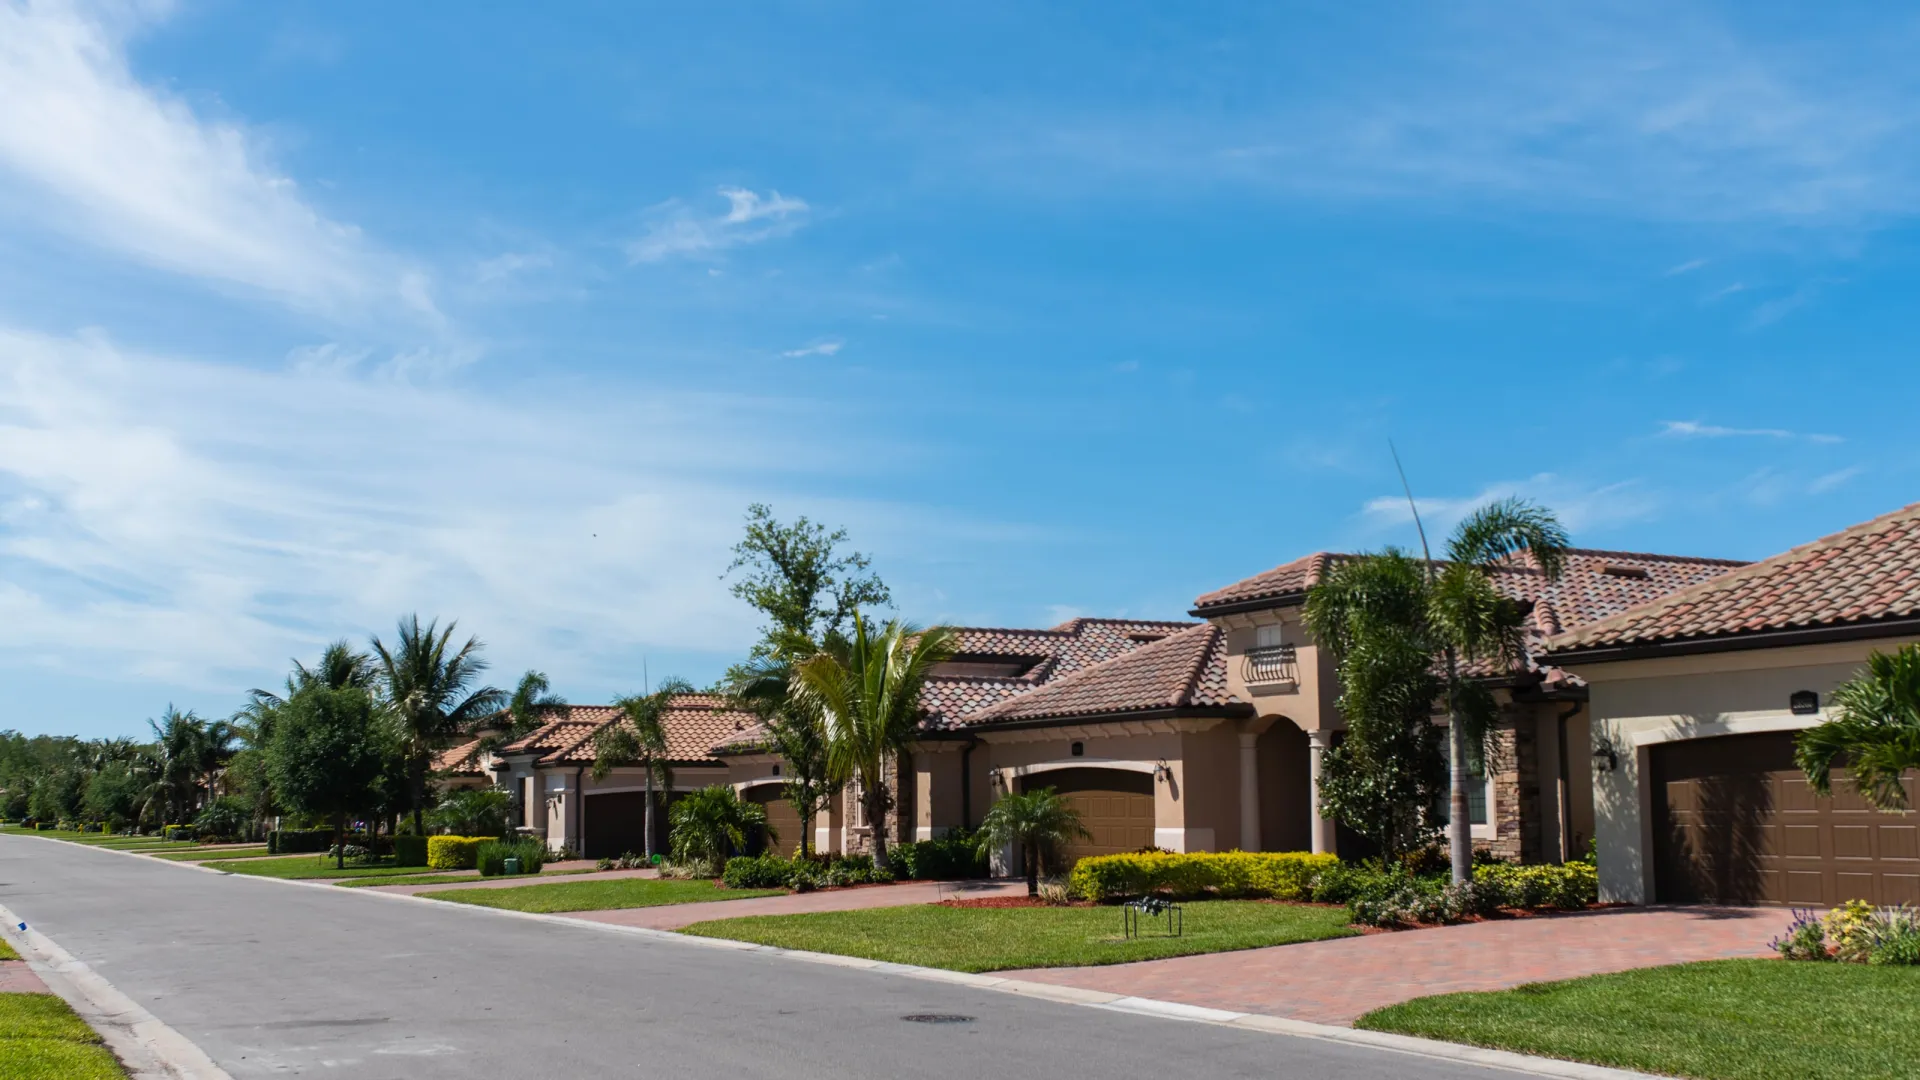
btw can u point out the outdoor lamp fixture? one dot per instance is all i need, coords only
(1162, 773)
(1605, 760)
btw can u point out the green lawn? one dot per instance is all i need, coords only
(309, 866)
(599, 895)
(204, 855)
(42, 1039)
(994, 939)
(1720, 1020)
(434, 879)
(7, 953)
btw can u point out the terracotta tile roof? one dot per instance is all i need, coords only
(459, 760)
(1862, 574)
(1287, 579)
(1185, 670)
(694, 723)
(576, 721)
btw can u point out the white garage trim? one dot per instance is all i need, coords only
(1745, 725)
(760, 781)
(1011, 771)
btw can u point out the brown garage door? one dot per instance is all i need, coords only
(1736, 822)
(1115, 806)
(616, 824)
(780, 815)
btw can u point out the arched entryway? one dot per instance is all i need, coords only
(1286, 796)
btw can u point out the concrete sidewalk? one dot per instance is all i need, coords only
(517, 881)
(858, 898)
(1334, 982)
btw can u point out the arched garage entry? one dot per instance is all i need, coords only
(616, 823)
(1115, 805)
(781, 817)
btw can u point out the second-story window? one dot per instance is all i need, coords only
(1266, 637)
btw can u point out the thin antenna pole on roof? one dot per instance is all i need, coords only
(1425, 552)
(646, 679)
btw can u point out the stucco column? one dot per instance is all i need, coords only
(1317, 744)
(1249, 791)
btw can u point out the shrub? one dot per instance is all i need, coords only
(454, 852)
(708, 825)
(1805, 939)
(472, 812)
(222, 819)
(298, 841)
(409, 851)
(177, 832)
(1895, 937)
(1850, 930)
(945, 858)
(1569, 885)
(757, 872)
(1279, 875)
(491, 856)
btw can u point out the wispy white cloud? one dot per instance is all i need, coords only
(1580, 507)
(197, 523)
(1687, 267)
(1691, 429)
(829, 347)
(88, 150)
(1838, 478)
(509, 263)
(676, 230)
(1725, 291)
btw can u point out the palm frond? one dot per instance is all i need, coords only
(1506, 527)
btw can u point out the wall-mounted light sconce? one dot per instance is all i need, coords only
(1803, 702)
(1162, 773)
(1605, 759)
(1078, 749)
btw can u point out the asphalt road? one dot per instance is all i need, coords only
(273, 979)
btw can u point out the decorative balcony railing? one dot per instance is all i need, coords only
(1269, 664)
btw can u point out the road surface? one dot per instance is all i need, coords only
(272, 979)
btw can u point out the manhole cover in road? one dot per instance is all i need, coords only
(937, 1018)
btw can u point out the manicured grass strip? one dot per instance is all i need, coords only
(307, 866)
(207, 856)
(435, 879)
(995, 939)
(599, 895)
(42, 1039)
(1719, 1020)
(7, 953)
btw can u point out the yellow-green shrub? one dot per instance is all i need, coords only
(454, 852)
(1280, 875)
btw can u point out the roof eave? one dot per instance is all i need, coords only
(1234, 711)
(1263, 603)
(1902, 626)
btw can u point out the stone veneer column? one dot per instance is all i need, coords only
(1318, 742)
(1249, 791)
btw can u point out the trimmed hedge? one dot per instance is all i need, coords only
(409, 851)
(177, 832)
(454, 852)
(946, 858)
(1282, 875)
(298, 841)
(1568, 885)
(491, 856)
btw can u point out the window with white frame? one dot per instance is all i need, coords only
(1267, 636)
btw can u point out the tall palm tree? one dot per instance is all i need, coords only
(1454, 612)
(533, 703)
(867, 693)
(428, 688)
(639, 737)
(1875, 730)
(1038, 822)
(180, 740)
(767, 686)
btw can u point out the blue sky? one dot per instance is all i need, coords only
(316, 314)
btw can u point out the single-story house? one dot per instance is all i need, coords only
(1695, 698)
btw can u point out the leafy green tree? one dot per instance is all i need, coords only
(1039, 823)
(115, 794)
(1874, 731)
(1377, 619)
(710, 824)
(326, 755)
(798, 576)
(867, 694)
(794, 730)
(533, 704)
(639, 737)
(428, 686)
(188, 749)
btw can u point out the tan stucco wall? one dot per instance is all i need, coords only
(1310, 703)
(1638, 704)
(1002, 750)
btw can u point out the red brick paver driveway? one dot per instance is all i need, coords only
(1332, 982)
(675, 916)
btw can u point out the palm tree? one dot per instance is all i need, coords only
(867, 693)
(714, 822)
(639, 737)
(767, 687)
(1039, 822)
(180, 750)
(341, 667)
(1875, 730)
(533, 704)
(1382, 622)
(428, 689)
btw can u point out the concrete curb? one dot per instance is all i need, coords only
(146, 1046)
(1525, 1064)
